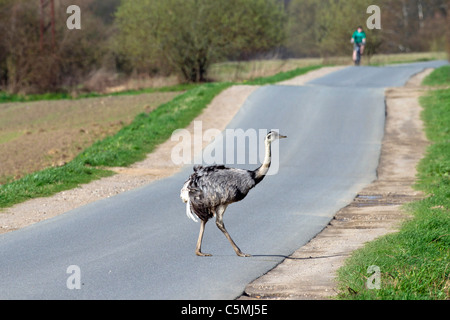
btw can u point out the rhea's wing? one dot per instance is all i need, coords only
(218, 185)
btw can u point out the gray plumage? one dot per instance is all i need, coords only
(213, 186)
(209, 190)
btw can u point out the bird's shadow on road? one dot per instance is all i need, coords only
(295, 258)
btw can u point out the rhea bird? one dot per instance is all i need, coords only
(210, 189)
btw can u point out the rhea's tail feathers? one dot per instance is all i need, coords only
(184, 195)
(189, 211)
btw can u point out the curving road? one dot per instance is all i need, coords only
(140, 244)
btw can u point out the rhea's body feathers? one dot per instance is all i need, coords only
(213, 186)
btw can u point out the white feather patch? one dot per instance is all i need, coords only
(184, 194)
(189, 212)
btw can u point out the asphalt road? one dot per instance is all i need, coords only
(140, 244)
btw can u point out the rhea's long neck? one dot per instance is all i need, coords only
(261, 172)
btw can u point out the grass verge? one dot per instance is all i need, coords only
(129, 145)
(282, 76)
(441, 76)
(414, 262)
(134, 141)
(47, 182)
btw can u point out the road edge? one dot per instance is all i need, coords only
(310, 272)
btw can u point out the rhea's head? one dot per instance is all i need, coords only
(273, 135)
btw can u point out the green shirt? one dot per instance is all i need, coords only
(359, 36)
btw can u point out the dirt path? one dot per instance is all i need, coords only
(309, 273)
(156, 166)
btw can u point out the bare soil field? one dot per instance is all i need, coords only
(36, 135)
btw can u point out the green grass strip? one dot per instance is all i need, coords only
(134, 141)
(440, 76)
(414, 262)
(47, 182)
(282, 76)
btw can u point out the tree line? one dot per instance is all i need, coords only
(38, 53)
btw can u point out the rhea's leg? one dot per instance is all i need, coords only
(198, 249)
(221, 226)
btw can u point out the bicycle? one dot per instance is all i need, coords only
(358, 54)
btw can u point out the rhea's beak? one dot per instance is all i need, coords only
(281, 136)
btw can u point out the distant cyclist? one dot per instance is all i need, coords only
(359, 41)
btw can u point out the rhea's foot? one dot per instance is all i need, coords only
(241, 254)
(201, 254)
